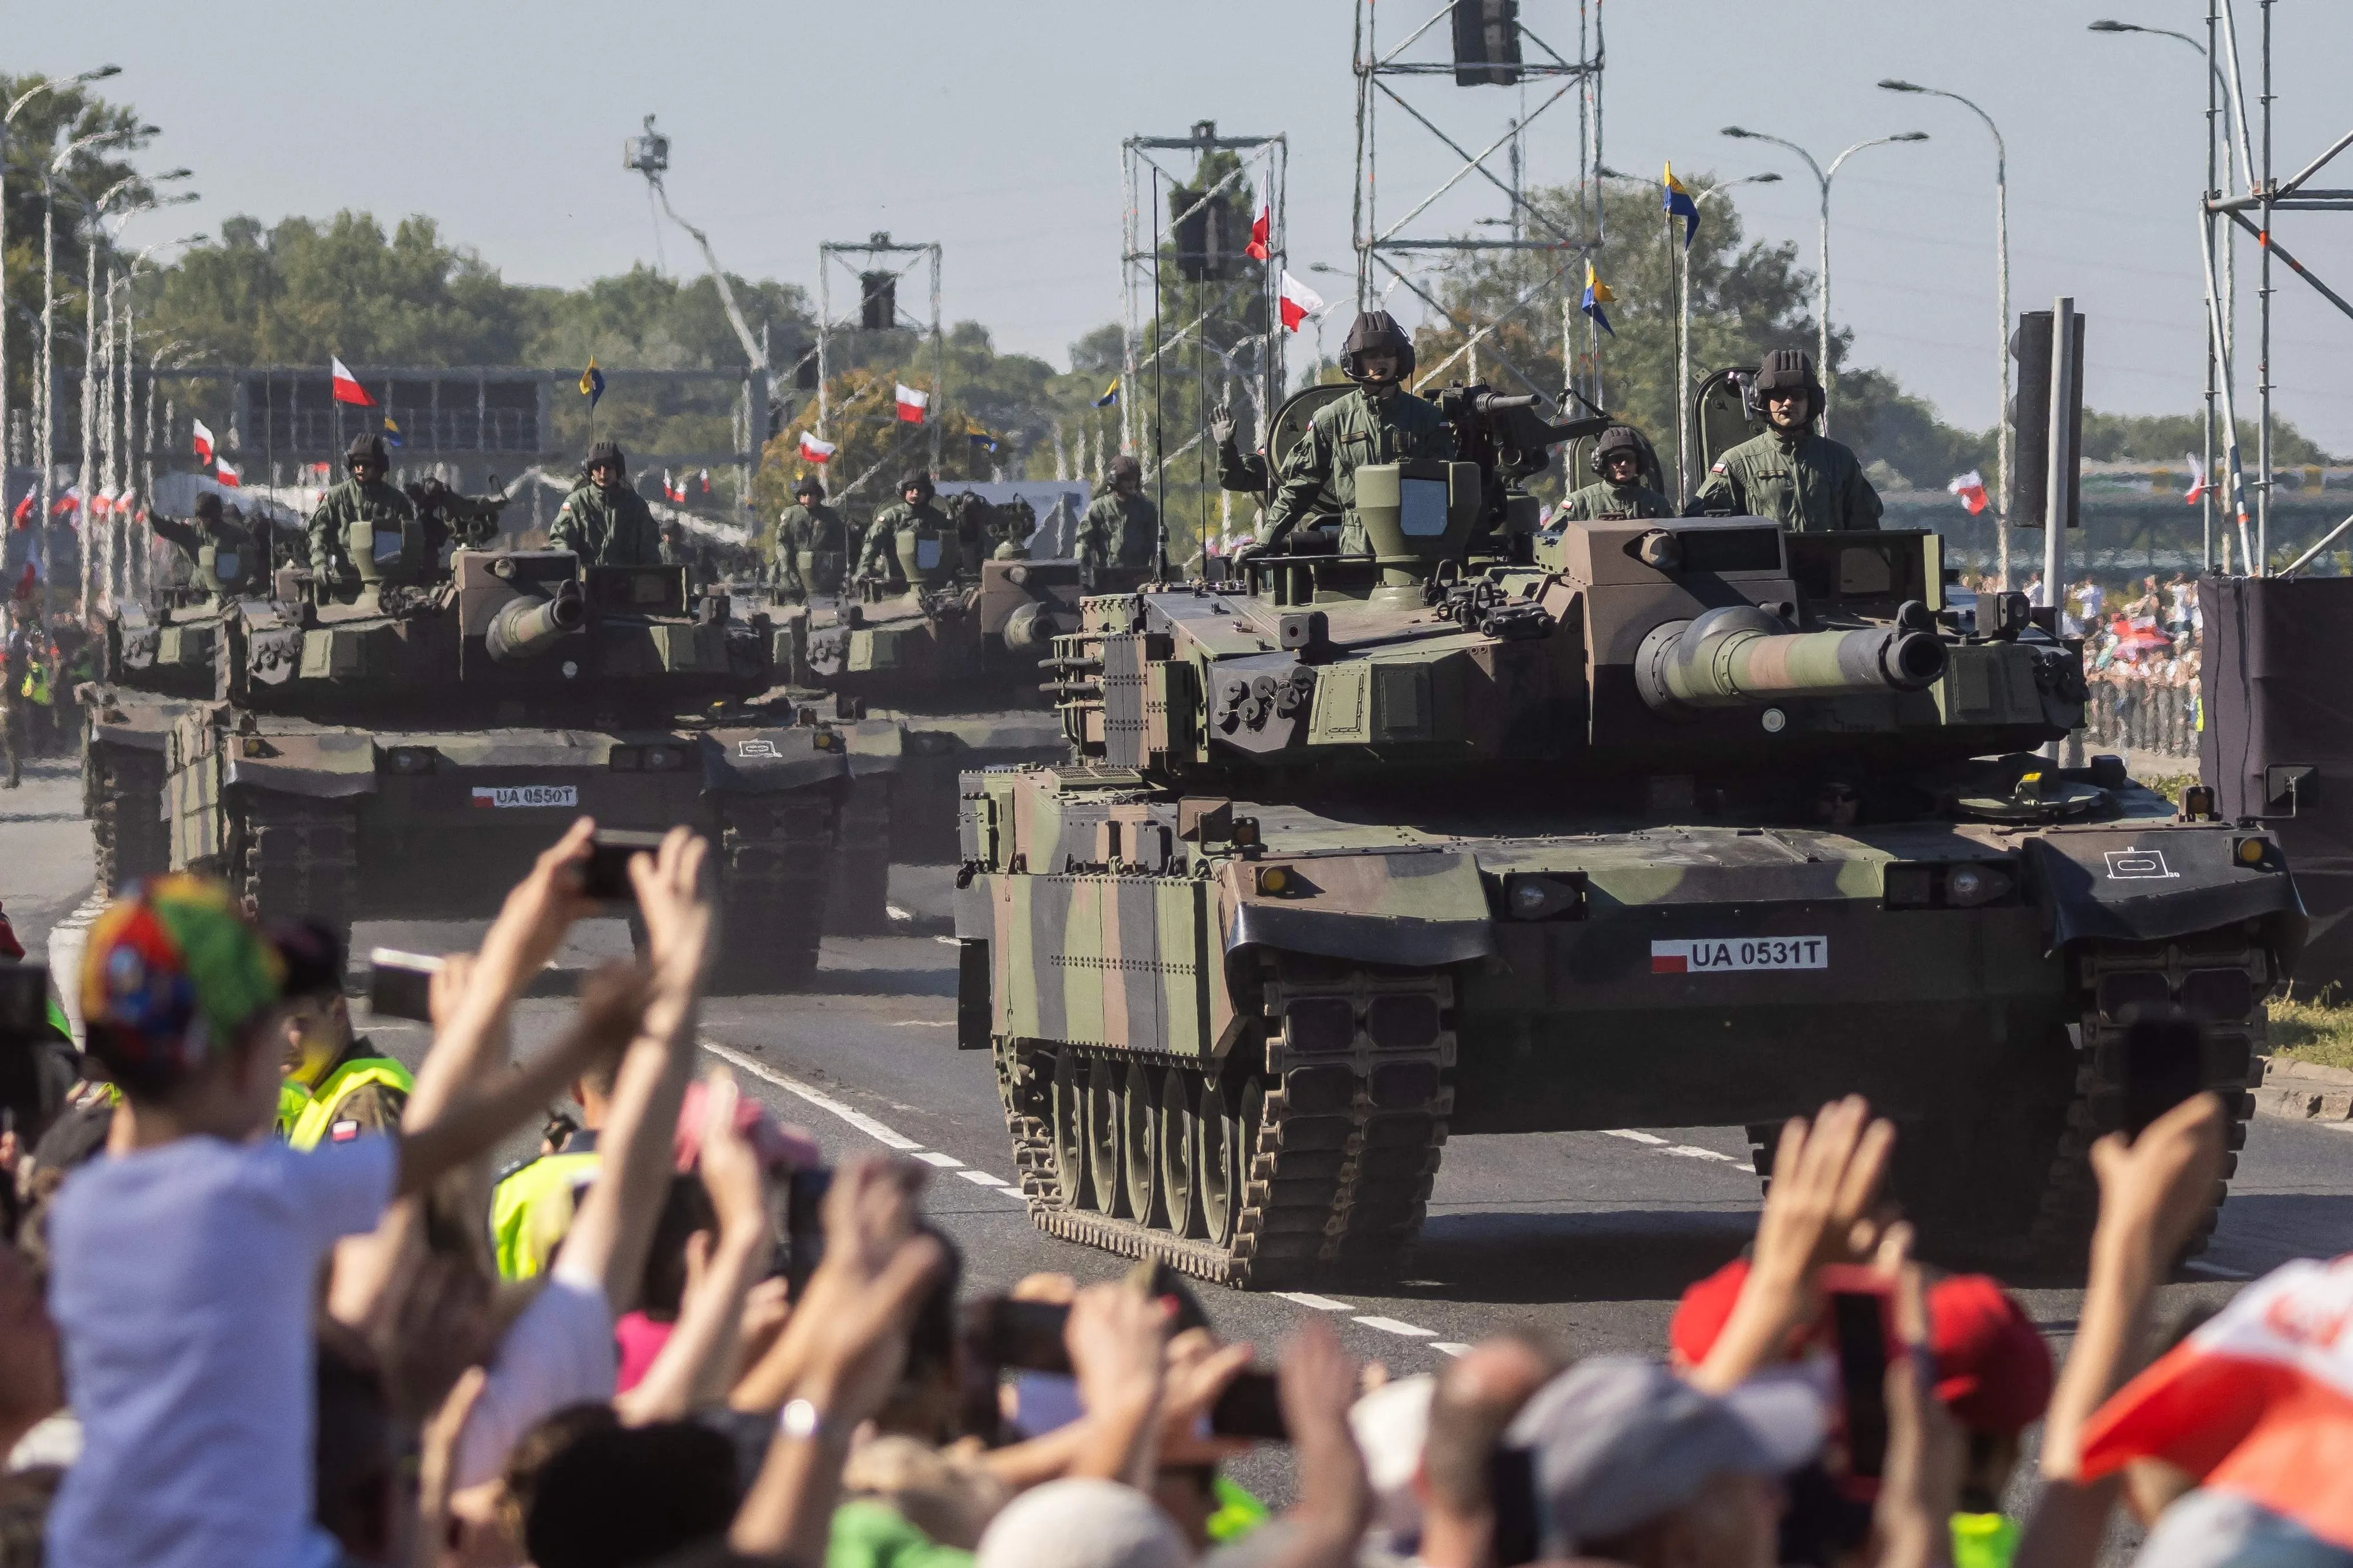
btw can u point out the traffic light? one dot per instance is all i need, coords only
(1209, 236)
(1486, 43)
(878, 300)
(2029, 413)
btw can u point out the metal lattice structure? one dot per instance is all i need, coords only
(878, 251)
(1191, 342)
(1392, 254)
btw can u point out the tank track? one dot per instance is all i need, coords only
(859, 901)
(129, 837)
(2220, 978)
(775, 858)
(293, 856)
(1342, 1124)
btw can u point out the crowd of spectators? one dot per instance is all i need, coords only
(220, 1348)
(2141, 658)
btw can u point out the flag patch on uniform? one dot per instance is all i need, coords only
(1716, 468)
(344, 1131)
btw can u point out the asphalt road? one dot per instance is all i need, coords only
(1587, 1236)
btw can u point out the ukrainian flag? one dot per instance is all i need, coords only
(1679, 203)
(982, 439)
(392, 431)
(592, 384)
(1110, 396)
(1598, 294)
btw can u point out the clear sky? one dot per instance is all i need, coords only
(994, 128)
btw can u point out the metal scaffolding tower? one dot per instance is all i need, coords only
(1491, 45)
(1200, 319)
(2223, 215)
(880, 254)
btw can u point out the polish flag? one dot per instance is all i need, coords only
(227, 475)
(1970, 488)
(2199, 483)
(347, 387)
(2258, 1402)
(912, 403)
(69, 501)
(1260, 243)
(814, 450)
(1298, 302)
(23, 516)
(203, 439)
(672, 492)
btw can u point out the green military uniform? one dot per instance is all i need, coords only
(1800, 480)
(606, 528)
(818, 533)
(1320, 474)
(531, 1207)
(878, 560)
(1604, 498)
(380, 504)
(363, 1091)
(1240, 470)
(224, 556)
(1119, 530)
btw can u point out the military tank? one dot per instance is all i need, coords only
(929, 674)
(405, 750)
(1688, 822)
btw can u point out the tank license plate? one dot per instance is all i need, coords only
(1695, 955)
(501, 797)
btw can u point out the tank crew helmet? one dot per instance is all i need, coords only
(916, 480)
(366, 449)
(1376, 331)
(605, 452)
(1615, 440)
(1785, 370)
(808, 487)
(1126, 469)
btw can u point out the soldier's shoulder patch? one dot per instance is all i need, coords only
(344, 1131)
(1716, 468)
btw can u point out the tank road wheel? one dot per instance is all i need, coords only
(1174, 1143)
(859, 901)
(1139, 1141)
(292, 856)
(1218, 1161)
(1102, 1112)
(1070, 1184)
(774, 854)
(128, 834)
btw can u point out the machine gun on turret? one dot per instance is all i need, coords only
(449, 515)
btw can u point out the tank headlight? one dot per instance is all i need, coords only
(2254, 853)
(1273, 881)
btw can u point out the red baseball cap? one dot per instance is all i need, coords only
(1993, 1369)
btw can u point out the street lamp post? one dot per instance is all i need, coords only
(1822, 288)
(46, 84)
(2005, 432)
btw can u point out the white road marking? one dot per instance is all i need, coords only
(896, 913)
(1321, 1303)
(982, 1178)
(1391, 1326)
(1631, 1136)
(944, 1162)
(889, 1138)
(1449, 1347)
(2215, 1270)
(922, 1023)
(1694, 1152)
(947, 941)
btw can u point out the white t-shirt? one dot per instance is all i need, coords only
(182, 1278)
(558, 1351)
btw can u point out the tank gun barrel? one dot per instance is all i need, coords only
(530, 627)
(1743, 657)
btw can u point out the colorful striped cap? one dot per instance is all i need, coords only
(174, 968)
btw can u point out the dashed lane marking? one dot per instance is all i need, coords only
(1405, 1331)
(1449, 1347)
(2214, 1271)
(1631, 1136)
(982, 1179)
(896, 913)
(947, 940)
(944, 1162)
(1694, 1152)
(1320, 1303)
(922, 1023)
(890, 1137)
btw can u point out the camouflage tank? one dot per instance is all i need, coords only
(929, 674)
(1624, 824)
(404, 751)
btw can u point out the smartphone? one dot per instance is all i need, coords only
(804, 1227)
(1859, 1325)
(400, 985)
(1252, 1406)
(605, 875)
(2164, 1063)
(1027, 1336)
